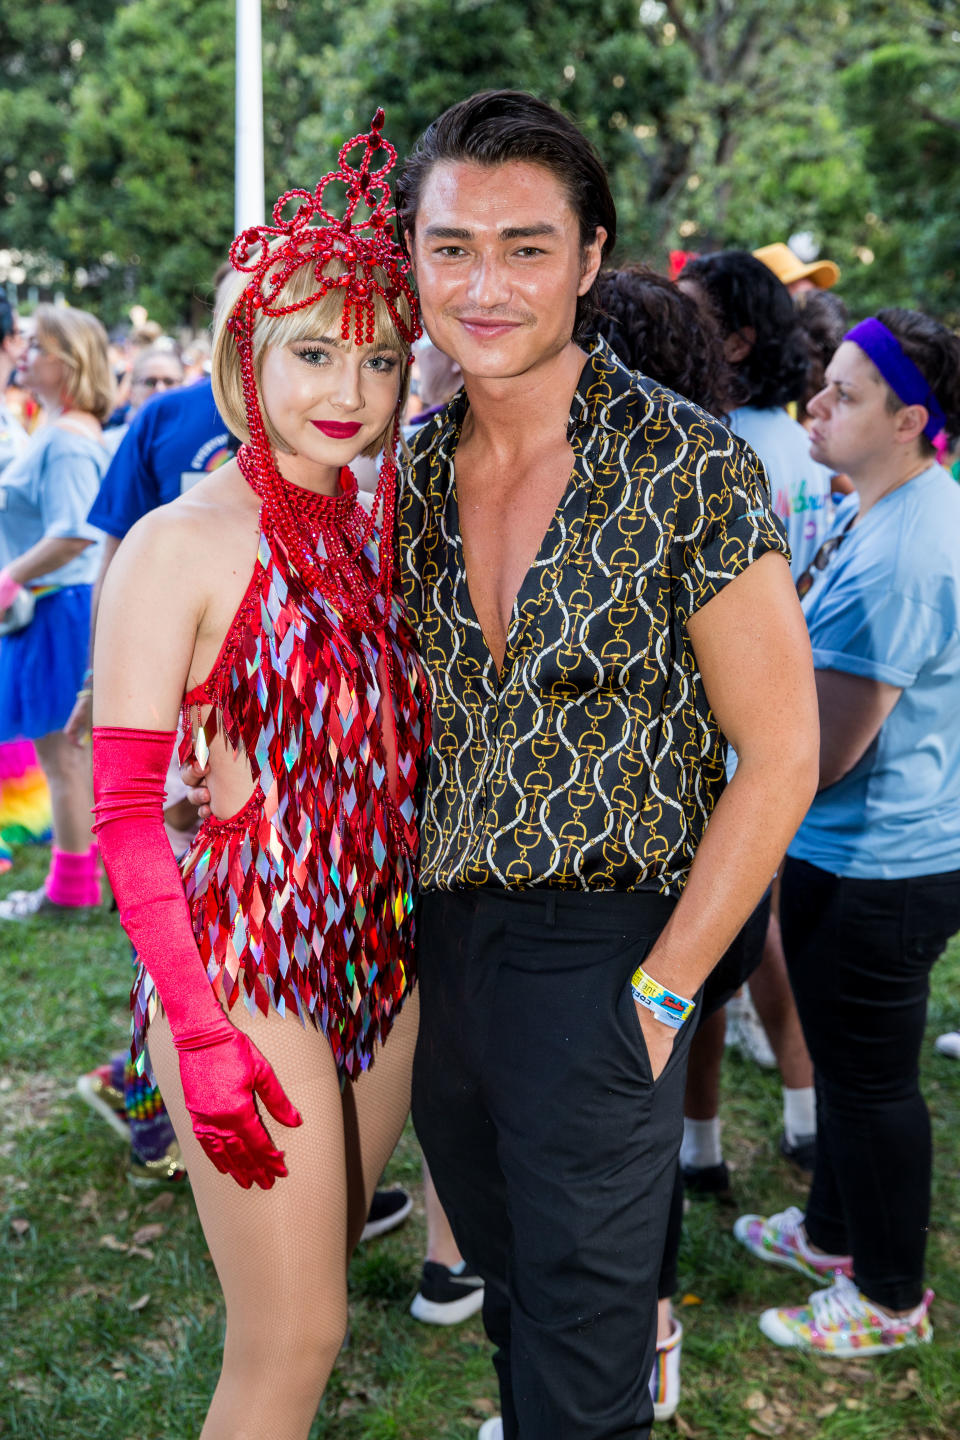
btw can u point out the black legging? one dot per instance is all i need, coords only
(859, 953)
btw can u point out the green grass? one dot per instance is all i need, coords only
(85, 1355)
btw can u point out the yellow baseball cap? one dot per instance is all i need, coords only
(788, 268)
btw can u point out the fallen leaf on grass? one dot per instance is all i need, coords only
(163, 1202)
(691, 1300)
(140, 1250)
(760, 1425)
(826, 1410)
(140, 1304)
(853, 1405)
(26, 1384)
(483, 1407)
(20, 1226)
(159, 1349)
(110, 1242)
(756, 1400)
(146, 1233)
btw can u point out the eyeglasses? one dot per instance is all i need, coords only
(822, 559)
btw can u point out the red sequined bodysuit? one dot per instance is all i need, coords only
(303, 900)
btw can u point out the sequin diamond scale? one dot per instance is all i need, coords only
(303, 900)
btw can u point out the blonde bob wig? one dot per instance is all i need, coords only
(79, 342)
(320, 318)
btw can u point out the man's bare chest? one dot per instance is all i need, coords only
(503, 522)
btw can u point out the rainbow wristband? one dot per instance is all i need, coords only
(666, 1007)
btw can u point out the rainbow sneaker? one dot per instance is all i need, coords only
(842, 1323)
(781, 1240)
(665, 1378)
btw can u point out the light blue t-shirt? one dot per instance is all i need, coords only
(47, 491)
(887, 606)
(13, 437)
(799, 486)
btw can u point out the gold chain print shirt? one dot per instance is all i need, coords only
(593, 761)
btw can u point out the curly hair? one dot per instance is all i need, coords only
(654, 327)
(748, 296)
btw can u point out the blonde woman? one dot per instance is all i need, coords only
(277, 964)
(49, 557)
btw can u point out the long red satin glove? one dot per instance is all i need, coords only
(221, 1068)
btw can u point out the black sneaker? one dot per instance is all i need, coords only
(802, 1153)
(388, 1209)
(446, 1296)
(703, 1182)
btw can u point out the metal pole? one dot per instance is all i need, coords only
(248, 201)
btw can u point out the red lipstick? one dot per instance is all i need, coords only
(338, 429)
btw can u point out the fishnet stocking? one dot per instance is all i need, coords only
(281, 1255)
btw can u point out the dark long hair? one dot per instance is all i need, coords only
(746, 295)
(497, 126)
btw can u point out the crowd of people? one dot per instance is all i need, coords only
(409, 714)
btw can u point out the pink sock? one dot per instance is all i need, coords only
(74, 879)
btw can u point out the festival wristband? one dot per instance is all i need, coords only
(666, 1007)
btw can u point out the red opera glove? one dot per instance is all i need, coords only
(221, 1069)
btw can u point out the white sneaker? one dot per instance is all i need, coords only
(843, 1323)
(491, 1429)
(745, 1031)
(665, 1377)
(447, 1296)
(782, 1240)
(948, 1044)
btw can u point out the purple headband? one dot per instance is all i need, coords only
(906, 381)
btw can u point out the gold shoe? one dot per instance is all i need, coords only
(167, 1170)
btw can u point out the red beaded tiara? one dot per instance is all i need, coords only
(369, 255)
(363, 247)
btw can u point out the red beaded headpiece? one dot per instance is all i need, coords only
(363, 248)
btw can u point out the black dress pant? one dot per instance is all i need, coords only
(859, 954)
(552, 1149)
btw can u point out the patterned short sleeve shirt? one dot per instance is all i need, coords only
(593, 760)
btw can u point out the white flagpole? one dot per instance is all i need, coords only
(248, 193)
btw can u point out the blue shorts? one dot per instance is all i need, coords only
(42, 666)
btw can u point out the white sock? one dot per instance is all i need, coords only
(701, 1143)
(799, 1113)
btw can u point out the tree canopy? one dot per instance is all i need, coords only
(723, 123)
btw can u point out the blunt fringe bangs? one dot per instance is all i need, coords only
(322, 317)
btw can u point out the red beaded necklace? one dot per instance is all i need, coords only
(325, 535)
